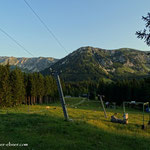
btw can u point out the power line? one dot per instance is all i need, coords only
(15, 41)
(46, 27)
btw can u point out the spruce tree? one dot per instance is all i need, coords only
(40, 87)
(5, 88)
(18, 88)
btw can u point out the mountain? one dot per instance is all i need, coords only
(34, 64)
(94, 63)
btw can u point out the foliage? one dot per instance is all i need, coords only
(145, 34)
(118, 91)
(5, 86)
(19, 88)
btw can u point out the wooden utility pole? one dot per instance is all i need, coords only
(149, 114)
(61, 95)
(100, 97)
(143, 126)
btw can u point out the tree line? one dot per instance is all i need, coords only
(18, 88)
(114, 91)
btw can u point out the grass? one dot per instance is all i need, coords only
(45, 129)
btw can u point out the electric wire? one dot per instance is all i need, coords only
(15, 41)
(46, 27)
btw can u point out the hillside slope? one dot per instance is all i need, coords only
(45, 129)
(92, 63)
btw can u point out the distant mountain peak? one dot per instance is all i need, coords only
(35, 64)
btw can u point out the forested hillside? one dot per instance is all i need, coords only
(89, 63)
(119, 91)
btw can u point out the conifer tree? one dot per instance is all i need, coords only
(18, 88)
(40, 87)
(145, 34)
(48, 88)
(25, 77)
(32, 86)
(5, 88)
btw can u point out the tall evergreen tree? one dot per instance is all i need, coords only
(40, 87)
(48, 90)
(33, 88)
(5, 87)
(18, 88)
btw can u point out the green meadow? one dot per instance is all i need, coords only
(42, 127)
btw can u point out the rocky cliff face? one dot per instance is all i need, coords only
(29, 64)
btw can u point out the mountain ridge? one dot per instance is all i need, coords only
(34, 64)
(97, 62)
(88, 63)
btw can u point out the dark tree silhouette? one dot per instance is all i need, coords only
(145, 34)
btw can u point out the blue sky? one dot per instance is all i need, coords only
(107, 24)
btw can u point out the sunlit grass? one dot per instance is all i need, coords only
(46, 123)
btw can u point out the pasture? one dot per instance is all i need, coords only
(42, 127)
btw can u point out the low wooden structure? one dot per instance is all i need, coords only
(121, 121)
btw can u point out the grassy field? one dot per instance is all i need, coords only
(44, 128)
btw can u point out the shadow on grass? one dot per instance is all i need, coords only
(45, 132)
